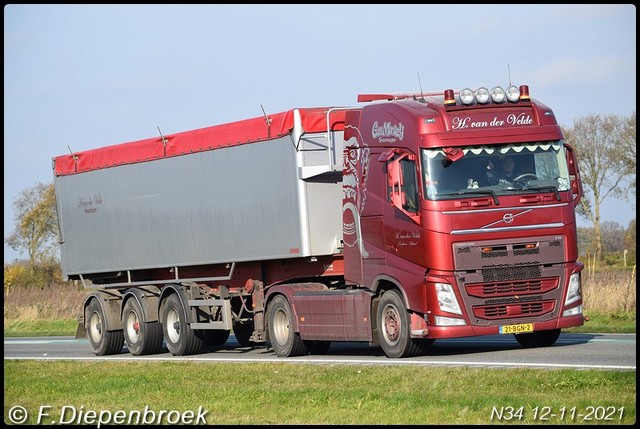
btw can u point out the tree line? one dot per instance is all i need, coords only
(606, 150)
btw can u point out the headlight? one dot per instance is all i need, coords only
(447, 299)
(573, 294)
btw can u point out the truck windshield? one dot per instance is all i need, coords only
(496, 170)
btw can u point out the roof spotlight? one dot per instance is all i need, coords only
(466, 96)
(482, 95)
(498, 95)
(513, 93)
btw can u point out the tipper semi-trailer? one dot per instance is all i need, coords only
(397, 221)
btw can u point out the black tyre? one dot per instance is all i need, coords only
(141, 337)
(243, 331)
(538, 339)
(317, 347)
(179, 337)
(102, 342)
(284, 340)
(214, 337)
(393, 327)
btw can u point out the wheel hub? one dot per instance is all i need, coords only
(391, 325)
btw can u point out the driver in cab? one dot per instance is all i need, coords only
(505, 171)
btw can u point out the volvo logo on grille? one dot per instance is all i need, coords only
(507, 218)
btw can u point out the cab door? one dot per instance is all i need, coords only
(402, 221)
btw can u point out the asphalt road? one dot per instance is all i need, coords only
(578, 351)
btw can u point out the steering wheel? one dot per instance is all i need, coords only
(522, 176)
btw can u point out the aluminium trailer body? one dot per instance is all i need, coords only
(232, 193)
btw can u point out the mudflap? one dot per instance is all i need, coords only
(81, 331)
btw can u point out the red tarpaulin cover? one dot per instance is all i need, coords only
(209, 138)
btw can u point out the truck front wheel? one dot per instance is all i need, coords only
(393, 327)
(180, 338)
(284, 340)
(102, 342)
(141, 337)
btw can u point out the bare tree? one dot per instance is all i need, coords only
(626, 151)
(598, 140)
(612, 237)
(36, 223)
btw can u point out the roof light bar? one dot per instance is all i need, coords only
(482, 95)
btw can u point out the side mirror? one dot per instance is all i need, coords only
(574, 175)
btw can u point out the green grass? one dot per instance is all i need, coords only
(614, 322)
(40, 328)
(282, 393)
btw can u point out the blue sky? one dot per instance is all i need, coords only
(85, 76)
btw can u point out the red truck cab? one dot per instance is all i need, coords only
(427, 216)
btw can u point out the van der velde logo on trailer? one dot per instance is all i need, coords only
(387, 133)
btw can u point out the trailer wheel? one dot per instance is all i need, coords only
(393, 327)
(284, 340)
(538, 339)
(180, 338)
(141, 337)
(102, 342)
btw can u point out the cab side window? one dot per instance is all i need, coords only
(402, 183)
(410, 189)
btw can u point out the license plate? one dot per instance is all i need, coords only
(516, 329)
